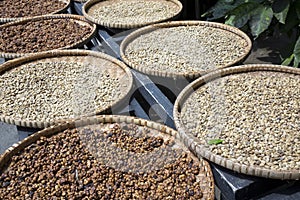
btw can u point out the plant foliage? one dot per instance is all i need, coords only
(258, 15)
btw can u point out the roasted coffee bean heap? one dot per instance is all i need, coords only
(41, 35)
(29, 8)
(65, 166)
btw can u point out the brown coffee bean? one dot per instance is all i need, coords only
(26, 8)
(70, 165)
(41, 35)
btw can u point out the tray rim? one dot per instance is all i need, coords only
(63, 9)
(137, 33)
(61, 53)
(201, 150)
(48, 132)
(90, 3)
(79, 43)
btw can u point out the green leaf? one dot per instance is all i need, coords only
(223, 7)
(280, 9)
(215, 141)
(260, 19)
(288, 60)
(297, 53)
(297, 7)
(291, 20)
(240, 15)
(219, 10)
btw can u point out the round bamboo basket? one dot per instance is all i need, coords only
(198, 143)
(185, 73)
(97, 59)
(76, 18)
(205, 174)
(96, 4)
(60, 10)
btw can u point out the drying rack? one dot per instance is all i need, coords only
(153, 99)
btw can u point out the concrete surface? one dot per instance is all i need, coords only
(8, 136)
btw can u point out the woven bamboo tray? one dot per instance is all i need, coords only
(193, 73)
(99, 61)
(9, 19)
(91, 6)
(76, 18)
(256, 135)
(205, 175)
